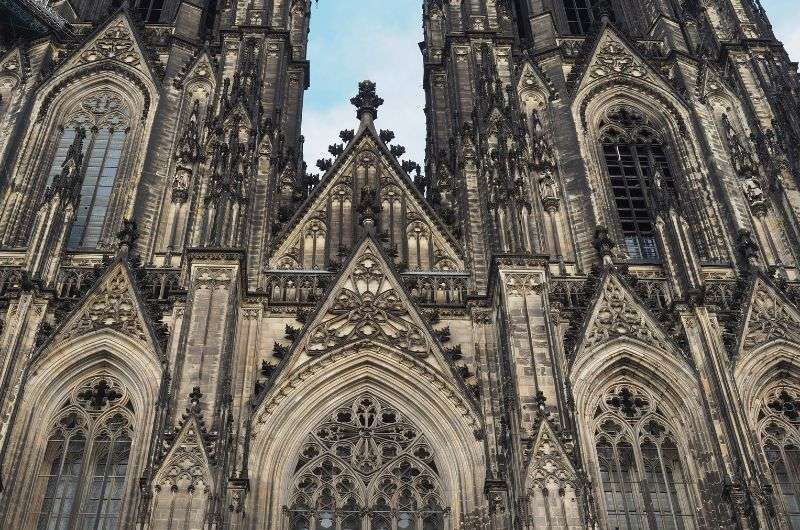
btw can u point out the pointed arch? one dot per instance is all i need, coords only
(48, 383)
(620, 390)
(282, 420)
(768, 381)
(640, 87)
(139, 93)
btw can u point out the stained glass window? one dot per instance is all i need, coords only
(780, 440)
(105, 119)
(633, 155)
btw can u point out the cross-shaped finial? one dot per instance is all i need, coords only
(367, 101)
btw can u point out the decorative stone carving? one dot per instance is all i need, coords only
(112, 305)
(614, 58)
(116, 43)
(770, 319)
(618, 315)
(367, 306)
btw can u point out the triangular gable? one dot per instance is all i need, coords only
(200, 66)
(531, 77)
(113, 303)
(710, 83)
(12, 64)
(548, 460)
(315, 211)
(368, 303)
(612, 56)
(768, 317)
(617, 314)
(186, 465)
(115, 41)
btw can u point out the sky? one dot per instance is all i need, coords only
(353, 40)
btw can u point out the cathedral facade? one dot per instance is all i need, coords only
(581, 310)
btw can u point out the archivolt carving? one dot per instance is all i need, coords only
(368, 307)
(403, 362)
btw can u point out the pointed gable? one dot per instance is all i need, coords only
(114, 303)
(327, 225)
(612, 56)
(531, 77)
(768, 317)
(617, 314)
(368, 303)
(548, 460)
(186, 466)
(116, 41)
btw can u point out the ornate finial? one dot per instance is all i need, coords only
(195, 396)
(127, 235)
(604, 245)
(367, 100)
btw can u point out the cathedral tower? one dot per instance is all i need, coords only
(581, 311)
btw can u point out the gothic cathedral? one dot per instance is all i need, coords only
(581, 310)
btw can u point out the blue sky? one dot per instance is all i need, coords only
(352, 40)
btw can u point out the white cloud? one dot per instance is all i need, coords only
(393, 61)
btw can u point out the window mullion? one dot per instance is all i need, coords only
(83, 483)
(674, 507)
(792, 474)
(100, 170)
(621, 479)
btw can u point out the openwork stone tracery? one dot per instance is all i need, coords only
(368, 307)
(83, 469)
(642, 469)
(366, 466)
(779, 433)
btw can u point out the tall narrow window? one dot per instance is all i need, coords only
(81, 483)
(366, 467)
(780, 441)
(634, 154)
(104, 119)
(640, 467)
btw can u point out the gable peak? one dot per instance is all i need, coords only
(368, 303)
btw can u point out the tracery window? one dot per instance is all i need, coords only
(641, 469)
(780, 440)
(82, 476)
(366, 467)
(104, 119)
(634, 153)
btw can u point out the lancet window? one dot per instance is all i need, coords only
(104, 119)
(780, 440)
(366, 467)
(81, 482)
(638, 170)
(641, 469)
